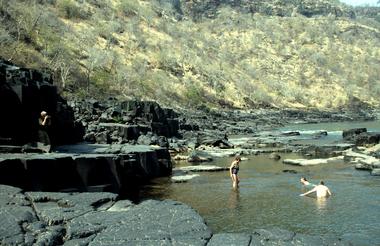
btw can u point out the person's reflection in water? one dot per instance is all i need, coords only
(321, 203)
(234, 200)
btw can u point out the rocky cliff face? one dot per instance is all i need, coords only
(24, 93)
(308, 8)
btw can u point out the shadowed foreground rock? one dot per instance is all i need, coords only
(41, 218)
(86, 167)
(94, 219)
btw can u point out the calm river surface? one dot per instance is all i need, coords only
(269, 198)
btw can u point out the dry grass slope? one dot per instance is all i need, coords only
(142, 49)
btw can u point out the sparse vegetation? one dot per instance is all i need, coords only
(144, 49)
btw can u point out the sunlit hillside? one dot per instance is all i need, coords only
(160, 50)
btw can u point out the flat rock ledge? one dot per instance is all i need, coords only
(202, 168)
(311, 162)
(185, 174)
(97, 219)
(77, 167)
(183, 178)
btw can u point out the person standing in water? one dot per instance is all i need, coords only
(321, 190)
(234, 169)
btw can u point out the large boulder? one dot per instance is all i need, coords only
(360, 136)
(111, 121)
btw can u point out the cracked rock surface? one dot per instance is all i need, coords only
(97, 219)
(47, 218)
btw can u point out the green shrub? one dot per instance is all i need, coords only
(70, 9)
(130, 7)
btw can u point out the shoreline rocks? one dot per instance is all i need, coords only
(311, 162)
(86, 167)
(45, 218)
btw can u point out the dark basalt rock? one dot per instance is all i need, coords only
(91, 218)
(351, 133)
(24, 93)
(99, 219)
(367, 138)
(111, 121)
(113, 168)
(360, 136)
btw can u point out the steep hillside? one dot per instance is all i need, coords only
(295, 53)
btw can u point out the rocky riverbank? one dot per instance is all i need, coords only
(86, 167)
(42, 218)
(120, 144)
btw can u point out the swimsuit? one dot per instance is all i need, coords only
(235, 170)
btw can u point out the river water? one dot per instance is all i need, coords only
(268, 197)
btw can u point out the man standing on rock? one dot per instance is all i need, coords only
(44, 122)
(321, 190)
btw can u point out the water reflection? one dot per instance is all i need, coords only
(269, 198)
(321, 204)
(233, 202)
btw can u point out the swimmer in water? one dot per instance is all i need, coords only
(321, 190)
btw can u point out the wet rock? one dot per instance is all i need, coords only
(350, 133)
(274, 156)
(274, 234)
(326, 150)
(197, 156)
(289, 171)
(216, 142)
(183, 178)
(230, 239)
(367, 138)
(361, 166)
(291, 133)
(319, 134)
(361, 137)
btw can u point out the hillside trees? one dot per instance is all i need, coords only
(145, 49)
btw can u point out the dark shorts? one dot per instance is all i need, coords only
(235, 170)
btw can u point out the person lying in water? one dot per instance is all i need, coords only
(321, 190)
(306, 183)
